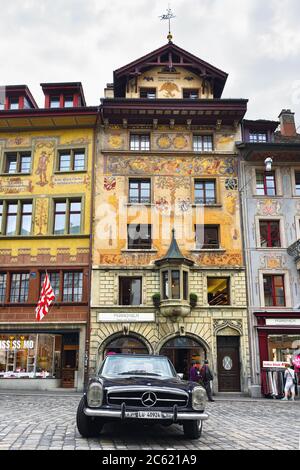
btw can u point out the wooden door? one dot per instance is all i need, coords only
(229, 363)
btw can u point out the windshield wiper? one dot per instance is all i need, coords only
(138, 372)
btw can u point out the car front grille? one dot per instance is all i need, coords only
(140, 398)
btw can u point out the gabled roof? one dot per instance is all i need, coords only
(170, 56)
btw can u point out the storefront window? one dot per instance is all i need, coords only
(127, 345)
(30, 356)
(283, 348)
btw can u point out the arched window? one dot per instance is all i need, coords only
(125, 345)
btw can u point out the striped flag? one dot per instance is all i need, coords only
(46, 298)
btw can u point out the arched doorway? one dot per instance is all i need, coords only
(182, 350)
(125, 345)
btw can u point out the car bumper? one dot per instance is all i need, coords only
(170, 416)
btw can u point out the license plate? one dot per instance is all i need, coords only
(144, 414)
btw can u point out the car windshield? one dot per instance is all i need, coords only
(116, 366)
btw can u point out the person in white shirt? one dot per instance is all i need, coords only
(289, 375)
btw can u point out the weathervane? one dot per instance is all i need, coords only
(169, 16)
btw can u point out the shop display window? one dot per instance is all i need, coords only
(283, 348)
(30, 356)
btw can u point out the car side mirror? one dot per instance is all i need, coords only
(180, 376)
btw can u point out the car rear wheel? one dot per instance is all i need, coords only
(193, 429)
(87, 426)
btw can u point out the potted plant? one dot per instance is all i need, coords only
(156, 299)
(193, 299)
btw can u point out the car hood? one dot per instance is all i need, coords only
(147, 382)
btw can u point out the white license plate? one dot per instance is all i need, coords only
(144, 414)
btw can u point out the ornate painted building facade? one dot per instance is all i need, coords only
(46, 158)
(167, 219)
(271, 217)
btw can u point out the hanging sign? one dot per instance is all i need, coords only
(275, 364)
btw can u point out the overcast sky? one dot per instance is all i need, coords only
(257, 43)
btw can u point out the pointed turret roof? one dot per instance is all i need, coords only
(174, 254)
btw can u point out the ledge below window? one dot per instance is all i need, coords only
(213, 206)
(209, 250)
(127, 250)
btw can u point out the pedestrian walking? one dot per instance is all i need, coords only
(290, 383)
(194, 374)
(207, 377)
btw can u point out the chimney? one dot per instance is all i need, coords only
(287, 123)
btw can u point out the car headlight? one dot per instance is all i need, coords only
(95, 395)
(198, 398)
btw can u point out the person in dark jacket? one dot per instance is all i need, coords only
(194, 372)
(206, 376)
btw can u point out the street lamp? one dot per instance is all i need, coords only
(268, 163)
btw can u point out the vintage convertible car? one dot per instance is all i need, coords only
(144, 388)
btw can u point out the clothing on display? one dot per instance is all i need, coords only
(273, 382)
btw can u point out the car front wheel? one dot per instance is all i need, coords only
(88, 427)
(193, 429)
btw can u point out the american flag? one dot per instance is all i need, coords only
(46, 298)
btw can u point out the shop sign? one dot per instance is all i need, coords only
(274, 364)
(283, 321)
(126, 317)
(14, 344)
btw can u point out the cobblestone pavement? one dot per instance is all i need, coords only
(47, 421)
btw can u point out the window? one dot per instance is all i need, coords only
(72, 287)
(14, 103)
(274, 290)
(16, 217)
(297, 183)
(218, 291)
(17, 162)
(265, 183)
(140, 142)
(67, 217)
(149, 93)
(19, 287)
(1, 216)
(207, 237)
(71, 160)
(190, 94)
(165, 283)
(256, 137)
(54, 102)
(140, 191)
(203, 143)
(175, 284)
(130, 289)
(205, 192)
(69, 102)
(185, 285)
(54, 281)
(139, 237)
(2, 287)
(269, 233)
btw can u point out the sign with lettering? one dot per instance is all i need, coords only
(271, 364)
(16, 344)
(126, 317)
(283, 321)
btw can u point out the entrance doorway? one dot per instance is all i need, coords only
(182, 351)
(229, 363)
(125, 345)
